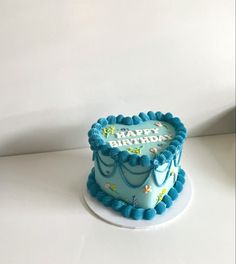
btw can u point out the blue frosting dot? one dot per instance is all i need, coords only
(100, 141)
(178, 186)
(92, 174)
(181, 179)
(127, 120)
(133, 159)
(100, 195)
(144, 116)
(175, 143)
(162, 159)
(167, 200)
(175, 121)
(167, 154)
(91, 141)
(114, 153)
(151, 115)
(117, 204)
(160, 208)
(119, 119)
(182, 172)
(182, 134)
(111, 119)
(102, 121)
(126, 210)
(90, 182)
(136, 120)
(93, 131)
(97, 126)
(123, 156)
(107, 200)
(94, 138)
(182, 129)
(173, 194)
(105, 150)
(92, 147)
(180, 139)
(159, 115)
(172, 149)
(145, 161)
(168, 116)
(137, 213)
(94, 189)
(149, 213)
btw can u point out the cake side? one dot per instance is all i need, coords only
(139, 186)
(130, 211)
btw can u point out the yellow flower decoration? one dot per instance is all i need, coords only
(110, 186)
(161, 194)
(113, 187)
(172, 172)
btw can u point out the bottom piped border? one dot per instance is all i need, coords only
(130, 211)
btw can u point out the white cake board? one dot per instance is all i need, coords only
(115, 218)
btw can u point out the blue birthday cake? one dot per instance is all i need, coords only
(137, 169)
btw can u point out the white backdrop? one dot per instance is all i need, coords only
(64, 64)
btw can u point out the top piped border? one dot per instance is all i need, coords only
(97, 142)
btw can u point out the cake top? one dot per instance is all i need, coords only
(147, 139)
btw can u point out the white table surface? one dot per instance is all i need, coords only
(43, 218)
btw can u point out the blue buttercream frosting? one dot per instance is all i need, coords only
(151, 115)
(145, 161)
(178, 186)
(111, 119)
(160, 208)
(149, 214)
(137, 213)
(181, 179)
(127, 121)
(103, 121)
(167, 200)
(173, 193)
(136, 120)
(168, 117)
(114, 152)
(119, 119)
(144, 116)
(107, 200)
(123, 155)
(159, 116)
(126, 210)
(117, 204)
(134, 160)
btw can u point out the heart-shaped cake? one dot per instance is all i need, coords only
(137, 163)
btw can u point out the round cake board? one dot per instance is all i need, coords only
(115, 218)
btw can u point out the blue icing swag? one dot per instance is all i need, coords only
(150, 172)
(130, 211)
(97, 139)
